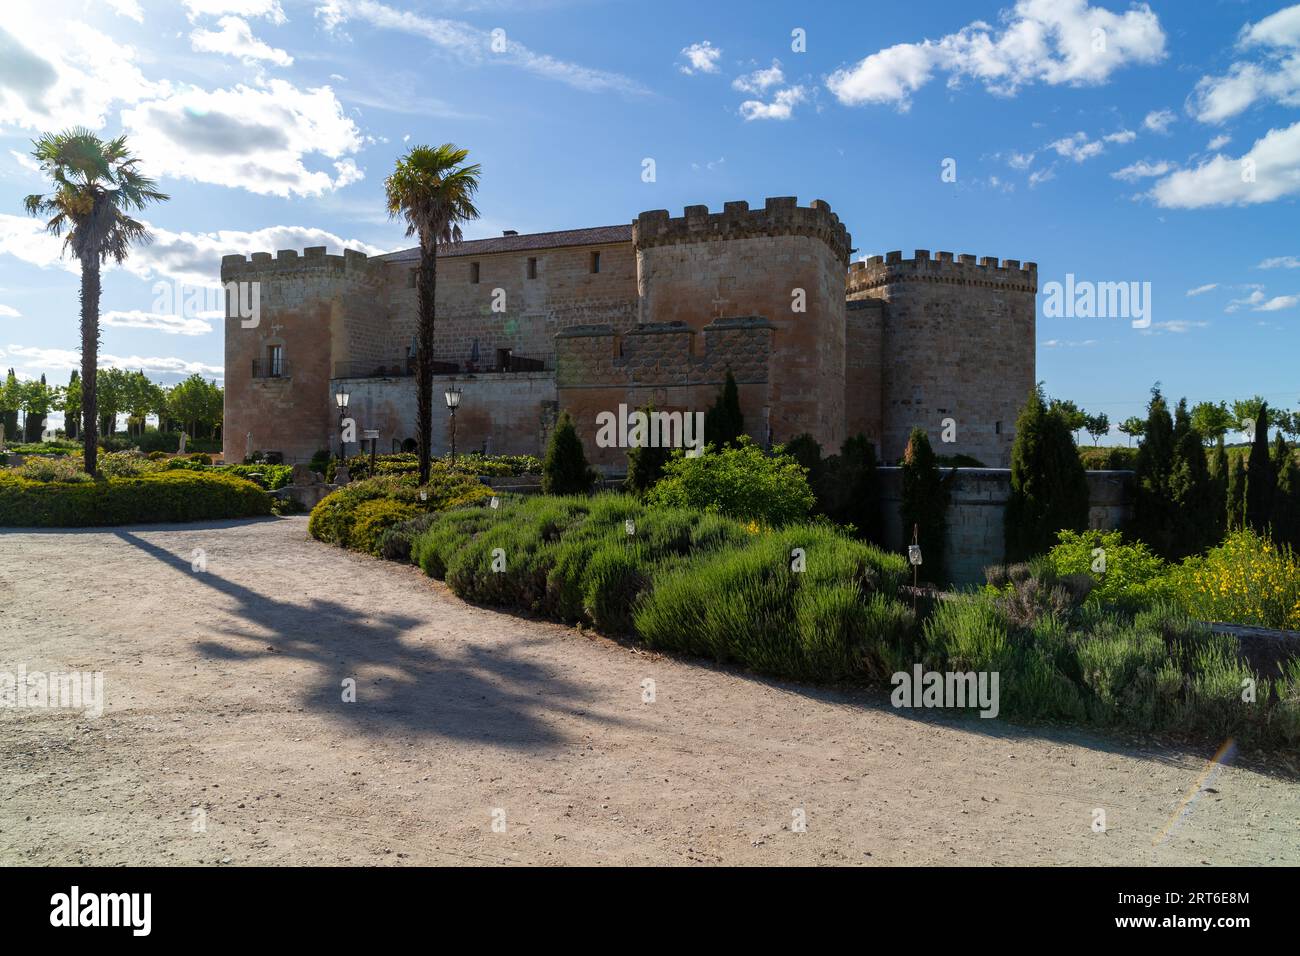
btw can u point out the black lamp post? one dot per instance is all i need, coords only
(341, 400)
(452, 396)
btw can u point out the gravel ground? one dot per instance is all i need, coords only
(478, 737)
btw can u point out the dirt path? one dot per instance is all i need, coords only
(224, 694)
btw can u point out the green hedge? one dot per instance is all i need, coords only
(335, 519)
(159, 496)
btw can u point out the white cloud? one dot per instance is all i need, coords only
(25, 161)
(9, 312)
(781, 107)
(68, 359)
(1143, 170)
(1077, 147)
(72, 76)
(1178, 326)
(1280, 262)
(1047, 41)
(240, 8)
(1257, 301)
(127, 8)
(1270, 170)
(171, 324)
(701, 57)
(1020, 160)
(192, 258)
(1275, 77)
(253, 138)
(1041, 176)
(473, 46)
(1219, 142)
(1123, 136)
(1063, 344)
(758, 81)
(1159, 121)
(236, 39)
(1202, 289)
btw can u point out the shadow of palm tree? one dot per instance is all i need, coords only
(472, 693)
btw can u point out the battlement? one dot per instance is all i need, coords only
(780, 216)
(963, 269)
(314, 258)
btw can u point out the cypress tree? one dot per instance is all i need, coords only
(1196, 505)
(804, 449)
(847, 489)
(925, 504)
(1260, 480)
(645, 463)
(1049, 488)
(724, 423)
(565, 470)
(1286, 496)
(1153, 512)
(1220, 474)
(1236, 512)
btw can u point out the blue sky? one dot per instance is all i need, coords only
(1101, 139)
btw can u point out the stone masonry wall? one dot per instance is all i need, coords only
(742, 262)
(958, 342)
(308, 306)
(565, 293)
(863, 348)
(662, 364)
(977, 512)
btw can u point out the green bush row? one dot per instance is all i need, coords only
(158, 496)
(358, 514)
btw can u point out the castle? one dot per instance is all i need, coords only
(658, 311)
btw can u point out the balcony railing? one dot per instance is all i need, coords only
(265, 368)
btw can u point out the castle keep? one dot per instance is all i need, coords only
(657, 311)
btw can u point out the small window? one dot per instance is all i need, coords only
(595, 262)
(275, 360)
(997, 428)
(473, 273)
(532, 267)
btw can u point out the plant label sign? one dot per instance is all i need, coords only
(914, 553)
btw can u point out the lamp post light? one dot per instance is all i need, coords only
(452, 396)
(341, 400)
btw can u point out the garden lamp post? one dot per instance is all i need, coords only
(452, 397)
(341, 400)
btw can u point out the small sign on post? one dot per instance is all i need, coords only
(371, 435)
(914, 554)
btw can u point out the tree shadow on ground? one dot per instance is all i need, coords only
(465, 693)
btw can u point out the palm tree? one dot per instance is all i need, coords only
(433, 190)
(96, 184)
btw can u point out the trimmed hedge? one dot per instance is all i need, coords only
(336, 518)
(158, 496)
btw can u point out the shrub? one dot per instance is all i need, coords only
(159, 496)
(645, 463)
(1246, 580)
(125, 464)
(1123, 574)
(847, 490)
(739, 482)
(334, 518)
(1049, 491)
(723, 422)
(925, 503)
(375, 517)
(565, 471)
(52, 469)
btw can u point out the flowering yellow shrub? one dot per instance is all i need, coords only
(1246, 580)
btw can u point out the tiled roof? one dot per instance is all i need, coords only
(594, 235)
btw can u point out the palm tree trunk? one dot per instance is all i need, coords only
(427, 288)
(90, 289)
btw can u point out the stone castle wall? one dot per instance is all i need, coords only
(784, 263)
(957, 342)
(976, 514)
(669, 365)
(564, 293)
(313, 306)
